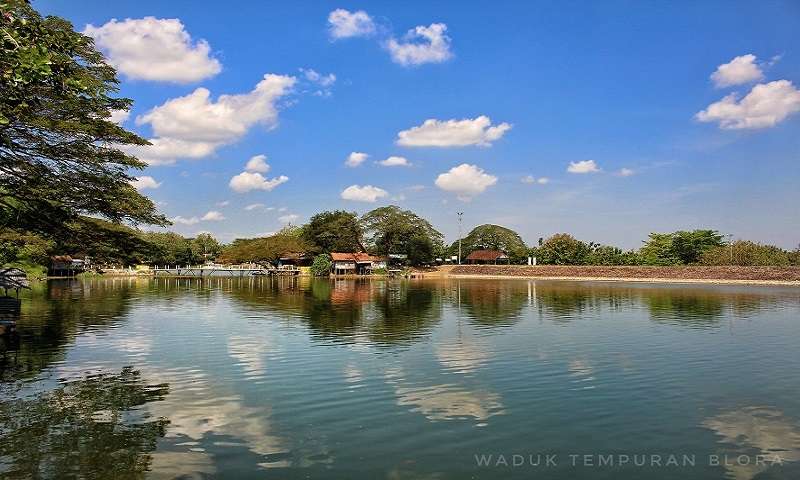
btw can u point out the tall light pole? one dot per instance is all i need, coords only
(460, 217)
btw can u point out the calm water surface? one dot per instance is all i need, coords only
(299, 378)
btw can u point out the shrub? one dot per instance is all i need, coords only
(747, 253)
(321, 265)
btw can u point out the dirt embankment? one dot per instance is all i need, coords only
(731, 274)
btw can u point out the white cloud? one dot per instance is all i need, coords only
(344, 24)
(254, 206)
(465, 180)
(395, 161)
(213, 216)
(765, 106)
(453, 133)
(246, 181)
(315, 77)
(288, 218)
(421, 45)
(156, 49)
(324, 82)
(367, 193)
(355, 159)
(197, 118)
(584, 166)
(119, 116)
(257, 163)
(530, 179)
(742, 69)
(223, 203)
(185, 221)
(194, 126)
(143, 182)
(625, 172)
(166, 151)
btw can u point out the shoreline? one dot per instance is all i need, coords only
(695, 281)
(721, 275)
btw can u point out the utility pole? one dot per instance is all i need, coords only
(460, 217)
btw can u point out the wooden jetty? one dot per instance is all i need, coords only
(203, 271)
(10, 307)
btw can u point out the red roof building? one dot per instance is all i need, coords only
(487, 256)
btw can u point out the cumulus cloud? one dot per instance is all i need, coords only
(584, 166)
(195, 126)
(530, 179)
(453, 133)
(257, 163)
(213, 216)
(288, 218)
(465, 180)
(625, 172)
(185, 221)
(395, 161)
(252, 179)
(156, 49)
(143, 182)
(119, 116)
(247, 181)
(166, 151)
(367, 193)
(355, 159)
(345, 24)
(742, 69)
(421, 45)
(196, 117)
(765, 106)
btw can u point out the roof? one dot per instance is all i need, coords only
(360, 257)
(13, 278)
(486, 255)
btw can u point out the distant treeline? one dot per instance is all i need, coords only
(381, 231)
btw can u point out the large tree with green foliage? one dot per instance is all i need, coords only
(563, 249)
(681, 247)
(492, 237)
(394, 230)
(265, 250)
(60, 155)
(334, 231)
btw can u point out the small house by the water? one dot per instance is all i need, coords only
(355, 263)
(11, 279)
(487, 256)
(66, 266)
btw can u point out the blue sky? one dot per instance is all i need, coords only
(513, 94)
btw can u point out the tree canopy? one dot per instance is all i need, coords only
(60, 154)
(563, 249)
(266, 249)
(394, 230)
(334, 231)
(681, 247)
(493, 237)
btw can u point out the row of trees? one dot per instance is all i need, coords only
(383, 231)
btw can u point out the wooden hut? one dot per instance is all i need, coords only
(12, 279)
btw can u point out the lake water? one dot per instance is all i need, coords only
(297, 378)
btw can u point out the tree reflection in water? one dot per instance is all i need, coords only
(92, 428)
